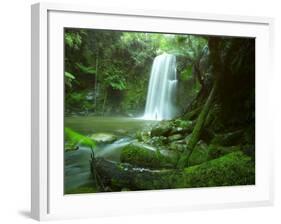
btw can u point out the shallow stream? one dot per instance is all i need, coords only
(76, 163)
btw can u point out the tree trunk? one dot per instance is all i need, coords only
(214, 47)
(183, 161)
(104, 102)
(96, 81)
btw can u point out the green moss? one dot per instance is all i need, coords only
(143, 155)
(163, 128)
(216, 151)
(199, 155)
(232, 169)
(235, 168)
(183, 123)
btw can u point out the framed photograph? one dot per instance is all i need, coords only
(138, 111)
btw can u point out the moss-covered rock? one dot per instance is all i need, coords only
(142, 135)
(199, 155)
(216, 151)
(70, 147)
(232, 169)
(235, 168)
(163, 128)
(175, 137)
(183, 123)
(143, 155)
(157, 141)
(181, 126)
(179, 146)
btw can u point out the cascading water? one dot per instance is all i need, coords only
(161, 89)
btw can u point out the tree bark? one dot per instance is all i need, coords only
(96, 80)
(104, 102)
(183, 161)
(214, 47)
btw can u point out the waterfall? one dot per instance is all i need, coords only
(161, 89)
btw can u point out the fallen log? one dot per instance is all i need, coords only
(232, 169)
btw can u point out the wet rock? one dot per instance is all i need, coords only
(143, 136)
(232, 169)
(175, 137)
(177, 146)
(158, 140)
(176, 130)
(172, 155)
(161, 129)
(187, 139)
(103, 137)
(181, 141)
(70, 147)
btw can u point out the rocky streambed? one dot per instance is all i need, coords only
(146, 156)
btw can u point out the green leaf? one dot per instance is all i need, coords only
(69, 75)
(88, 70)
(68, 40)
(116, 82)
(74, 138)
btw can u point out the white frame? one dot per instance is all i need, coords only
(46, 203)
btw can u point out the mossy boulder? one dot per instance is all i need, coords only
(182, 123)
(143, 155)
(179, 146)
(157, 141)
(163, 128)
(103, 137)
(142, 135)
(235, 168)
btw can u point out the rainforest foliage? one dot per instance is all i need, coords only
(107, 72)
(211, 141)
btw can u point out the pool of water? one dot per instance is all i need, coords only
(115, 125)
(77, 173)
